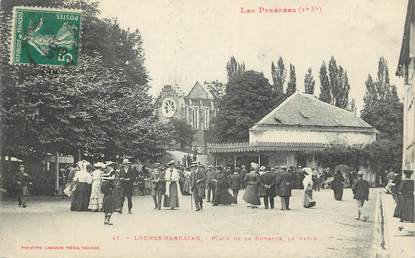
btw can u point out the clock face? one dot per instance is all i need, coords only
(169, 107)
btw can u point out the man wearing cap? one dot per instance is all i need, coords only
(197, 184)
(361, 194)
(23, 180)
(158, 185)
(283, 186)
(127, 177)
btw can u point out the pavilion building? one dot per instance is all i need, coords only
(294, 132)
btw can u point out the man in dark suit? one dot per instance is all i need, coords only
(210, 183)
(267, 183)
(283, 186)
(127, 177)
(243, 173)
(236, 183)
(198, 184)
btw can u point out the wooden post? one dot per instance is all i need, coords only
(259, 159)
(234, 161)
(57, 171)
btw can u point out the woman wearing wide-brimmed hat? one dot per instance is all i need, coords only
(96, 198)
(80, 197)
(251, 194)
(172, 178)
(405, 203)
(308, 188)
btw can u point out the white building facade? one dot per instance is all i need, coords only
(406, 69)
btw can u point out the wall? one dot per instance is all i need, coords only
(409, 118)
(284, 134)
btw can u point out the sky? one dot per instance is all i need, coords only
(187, 40)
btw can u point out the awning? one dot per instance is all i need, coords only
(265, 147)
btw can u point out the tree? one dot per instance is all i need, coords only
(248, 98)
(383, 110)
(100, 108)
(352, 106)
(234, 68)
(216, 88)
(341, 90)
(183, 133)
(292, 83)
(334, 84)
(279, 74)
(309, 82)
(325, 90)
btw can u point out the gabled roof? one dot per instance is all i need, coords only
(199, 91)
(405, 47)
(306, 110)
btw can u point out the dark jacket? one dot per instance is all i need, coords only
(267, 184)
(338, 181)
(198, 181)
(236, 181)
(128, 177)
(283, 184)
(361, 190)
(157, 180)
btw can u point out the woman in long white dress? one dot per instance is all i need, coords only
(308, 188)
(80, 196)
(172, 177)
(96, 199)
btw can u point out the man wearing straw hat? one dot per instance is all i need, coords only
(197, 185)
(361, 194)
(127, 177)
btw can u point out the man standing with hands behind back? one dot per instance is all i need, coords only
(127, 177)
(197, 184)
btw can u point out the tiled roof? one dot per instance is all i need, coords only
(306, 110)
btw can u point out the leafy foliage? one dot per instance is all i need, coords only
(335, 85)
(292, 83)
(182, 132)
(100, 108)
(234, 68)
(248, 98)
(279, 74)
(384, 111)
(309, 82)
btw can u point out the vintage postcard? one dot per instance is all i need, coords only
(238, 128)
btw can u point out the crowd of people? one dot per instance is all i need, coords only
(105, 186)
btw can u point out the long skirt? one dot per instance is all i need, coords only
(406, 208)
(108, 200)
(308, 199)
(172, 200)
(118, 197)
(222, 196)
(80, 197)
(96, 199)
(251, 195)
(338, 193)
(186, 186)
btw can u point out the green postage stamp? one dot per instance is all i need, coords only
(45, 36)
